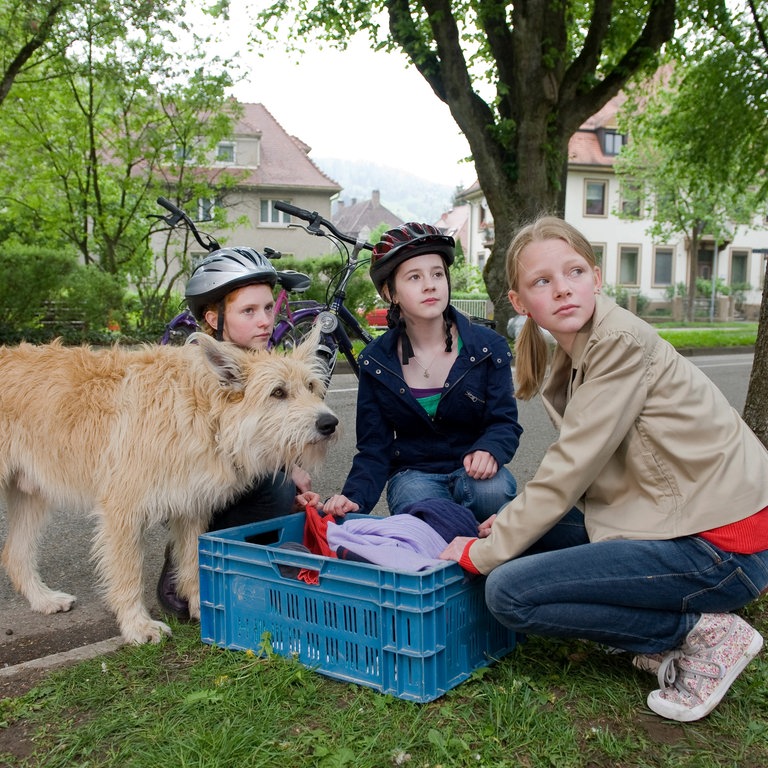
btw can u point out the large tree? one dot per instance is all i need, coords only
(519, 79)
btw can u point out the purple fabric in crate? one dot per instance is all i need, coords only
(410, 541)
(399, 543)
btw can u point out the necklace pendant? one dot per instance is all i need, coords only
(426, 374)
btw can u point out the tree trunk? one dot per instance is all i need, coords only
(693, 254)
(755, 408)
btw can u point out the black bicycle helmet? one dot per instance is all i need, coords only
(221, 272)
(403, 243)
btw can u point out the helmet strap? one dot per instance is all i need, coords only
(220, 322)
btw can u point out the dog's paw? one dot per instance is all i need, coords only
(194, 607)
(52, 602)
(149, 631)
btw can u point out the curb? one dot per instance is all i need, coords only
(73, 656)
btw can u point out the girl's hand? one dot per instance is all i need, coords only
(307, 499)
(480, 465)
(485, 527)
(339, 505)
(301, 479)
(455, 549)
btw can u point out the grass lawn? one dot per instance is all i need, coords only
(698, 337)
(563, 704)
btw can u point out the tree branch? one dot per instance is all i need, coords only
(28, 49)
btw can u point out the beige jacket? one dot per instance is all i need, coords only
(649, 448)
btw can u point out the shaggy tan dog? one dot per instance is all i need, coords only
(140, 437)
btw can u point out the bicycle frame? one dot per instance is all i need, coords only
(338, 325)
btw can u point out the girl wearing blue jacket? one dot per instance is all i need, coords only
(436, 412)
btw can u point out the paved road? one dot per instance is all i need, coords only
(65, 557)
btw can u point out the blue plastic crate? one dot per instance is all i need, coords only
(411, 635)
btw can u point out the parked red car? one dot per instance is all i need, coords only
(377, 318)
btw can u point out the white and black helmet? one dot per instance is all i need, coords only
(221, 272)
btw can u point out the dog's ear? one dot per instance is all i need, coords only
(307, 349)
(223, 358)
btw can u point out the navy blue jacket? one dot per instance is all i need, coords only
(477, 412)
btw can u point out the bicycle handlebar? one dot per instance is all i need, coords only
(315, 221)
(178, 215)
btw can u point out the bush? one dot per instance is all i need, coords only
(97, 296)
(621, 295)
(47, 294)
(31, 277)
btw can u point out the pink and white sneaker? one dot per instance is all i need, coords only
(695, 678)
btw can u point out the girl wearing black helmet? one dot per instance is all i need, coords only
(230, 295)
(436, 413)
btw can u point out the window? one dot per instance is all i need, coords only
(182, 153)
(631, 199)
(599, 250)
(739, 267)
(594, 198)
(662, 265)
(270, 215)
(206, 207)
(612, 142)
(629, 265)
(225, 152)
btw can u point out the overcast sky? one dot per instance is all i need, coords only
(358, 104)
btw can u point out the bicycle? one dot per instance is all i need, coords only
(338, 325)
(184, 324)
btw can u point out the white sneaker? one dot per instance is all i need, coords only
(695, 679)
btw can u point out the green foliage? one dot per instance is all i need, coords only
(115, 117)
(704, 288)
(621, 294)
(30, 277)
(325, 271)
(98, 297)
(678, 289)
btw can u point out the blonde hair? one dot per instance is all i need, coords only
(531, 350)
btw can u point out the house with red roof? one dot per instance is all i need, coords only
(268, 165)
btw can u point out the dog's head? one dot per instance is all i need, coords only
(269, 406)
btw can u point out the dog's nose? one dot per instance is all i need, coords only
(326, 423)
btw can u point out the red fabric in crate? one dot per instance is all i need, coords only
(316, 540)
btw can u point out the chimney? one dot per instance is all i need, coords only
(375, 198)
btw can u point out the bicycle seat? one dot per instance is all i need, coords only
(294, 281)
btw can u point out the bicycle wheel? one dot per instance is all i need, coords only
(294, 333)
(289, 336)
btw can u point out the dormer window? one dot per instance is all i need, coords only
(225, 152)
(611, 141)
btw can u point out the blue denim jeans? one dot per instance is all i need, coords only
(483, 497)
(642, 596)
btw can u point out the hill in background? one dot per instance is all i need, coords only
(407, 196)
